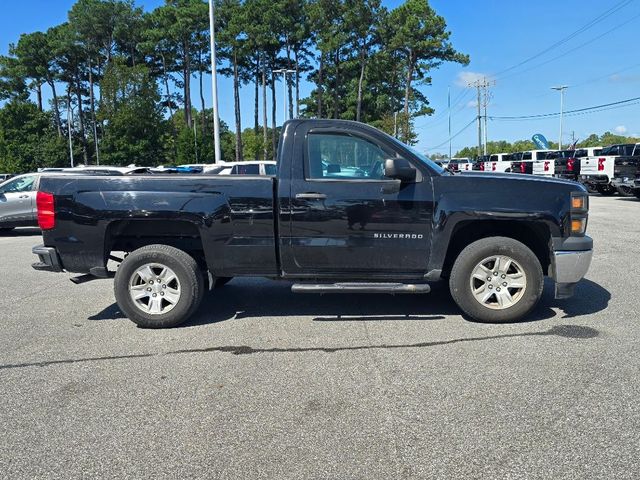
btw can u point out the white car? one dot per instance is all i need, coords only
(18, 202)
(523, 162)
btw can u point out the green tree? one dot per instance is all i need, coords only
(131, 109)
(28, 139)
(421, 38)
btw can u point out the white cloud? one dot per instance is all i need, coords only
(472, 104)
(465, 78)
(621, 129)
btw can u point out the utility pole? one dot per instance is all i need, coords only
(69, 123)
(449, 107)
(284, 72)
(214, 86)
(561, 89)
(479, 122)
(482, 86)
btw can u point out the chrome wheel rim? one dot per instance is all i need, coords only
(498, 282)
(154, 288)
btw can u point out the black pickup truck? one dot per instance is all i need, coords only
(350, 210)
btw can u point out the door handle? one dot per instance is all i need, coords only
(390, 188)
(311, 196)
(23, 196)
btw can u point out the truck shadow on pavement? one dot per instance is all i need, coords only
(251, 298)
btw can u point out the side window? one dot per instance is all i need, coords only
(23, 184)
(526, 156)
(270, 169)
(250, 169)
(335, 156)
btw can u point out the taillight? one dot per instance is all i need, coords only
(482, 167)
(546, 166)
(46, 212)
(523, 168)
(601, 164)
(570, 163)
(493, 166)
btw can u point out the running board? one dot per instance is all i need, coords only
(353, 287)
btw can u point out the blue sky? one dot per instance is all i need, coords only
(601, 64)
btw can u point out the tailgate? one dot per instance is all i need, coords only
(626, 167)
(596, 165)
(544, 167)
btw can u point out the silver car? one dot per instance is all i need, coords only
(17, 202)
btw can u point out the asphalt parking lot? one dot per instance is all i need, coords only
(267, 384)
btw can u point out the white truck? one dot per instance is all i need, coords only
(499, 162)
(614, 164)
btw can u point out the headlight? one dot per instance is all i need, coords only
(579, 213)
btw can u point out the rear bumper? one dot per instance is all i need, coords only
(49, 261)
(570, 264)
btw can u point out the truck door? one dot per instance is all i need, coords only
(345, 217)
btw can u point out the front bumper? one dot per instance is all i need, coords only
(570, 261)
(49, 259)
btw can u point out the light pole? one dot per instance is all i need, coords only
(284, 72)
(561, 89)
(214, 86)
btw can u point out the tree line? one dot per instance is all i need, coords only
(120, 81)
(503, 146)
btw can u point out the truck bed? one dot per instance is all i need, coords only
(229, 219)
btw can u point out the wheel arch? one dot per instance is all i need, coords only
(535, 235)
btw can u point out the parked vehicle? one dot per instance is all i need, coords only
(407, 222)
(615, 161)
(499, 162)
(636, 185)
(460, 165)
(17, 202)
(18, 194)
(569, 167)
(243, 168)
(5, 176)
(523, 162)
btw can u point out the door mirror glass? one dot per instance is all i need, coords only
(399, 169)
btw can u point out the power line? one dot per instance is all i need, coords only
(578, 47)
(568, 112)
(473, 120)
(564, 40)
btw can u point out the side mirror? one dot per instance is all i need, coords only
(399, 169)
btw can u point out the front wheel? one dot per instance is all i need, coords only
(158, 286)
(496, 280)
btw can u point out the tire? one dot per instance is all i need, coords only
(220, 282)
(606, 190)
(625, 191)
(462, 281)
(166, 308)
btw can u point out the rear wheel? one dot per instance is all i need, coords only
(606, 190)
(625, 191)
(496, 280)
(158, 286)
